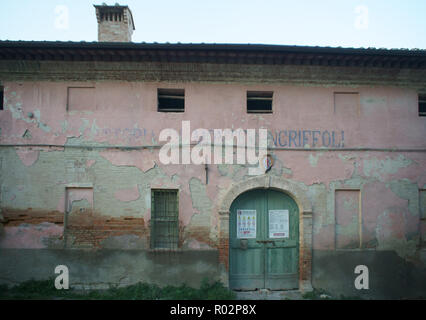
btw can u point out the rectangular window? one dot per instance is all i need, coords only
(348, 221)
(259, 101)
(164, 219)
(171, 100)
(81, 98)
(422, 106)
(1, 98)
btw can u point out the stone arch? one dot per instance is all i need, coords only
(265, 181)
(305, 224)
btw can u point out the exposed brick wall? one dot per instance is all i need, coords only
(224, 252)
(209, 72)
(201, 234)
(90, 229)
(84, 229)
(14, 217)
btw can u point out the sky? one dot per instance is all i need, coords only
(335, 23)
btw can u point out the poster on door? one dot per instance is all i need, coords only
(278, 224)
(246, 224)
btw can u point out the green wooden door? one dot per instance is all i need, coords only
(263, 246)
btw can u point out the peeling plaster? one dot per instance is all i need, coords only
(80, 197)
(204, 205)
(328, 168)
(30, 236)
(27, 134)
(18, 114)
(200, 200)
(391, 235)
(90, 162)
(378, 169)
(313, 159)
(129, 194)
(407, 190)
(197, 245)
(143, 160)
(28, 157)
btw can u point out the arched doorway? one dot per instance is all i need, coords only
(292, 189)
(264, 241)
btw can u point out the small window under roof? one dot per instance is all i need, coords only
(259, 101)
(171, 100)
(422, 105)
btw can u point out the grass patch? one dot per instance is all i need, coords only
(313, 295)
(45, 290)
(320, 294)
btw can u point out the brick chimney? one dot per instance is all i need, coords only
(115, 23)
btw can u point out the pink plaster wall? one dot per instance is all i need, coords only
(125, 113)
(30, 236)
(347, 217)
(142, 160)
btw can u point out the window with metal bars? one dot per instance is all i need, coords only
(164, 219)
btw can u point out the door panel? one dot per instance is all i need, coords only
(264, 262)
(282, 258)
(247, 256)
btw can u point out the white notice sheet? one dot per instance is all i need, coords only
(246, 224)
(278, 224)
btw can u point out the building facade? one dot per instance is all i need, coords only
(83, 185)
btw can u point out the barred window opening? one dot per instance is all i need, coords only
(164, 219)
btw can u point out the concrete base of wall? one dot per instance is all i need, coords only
(100, 269)
(390, 276)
